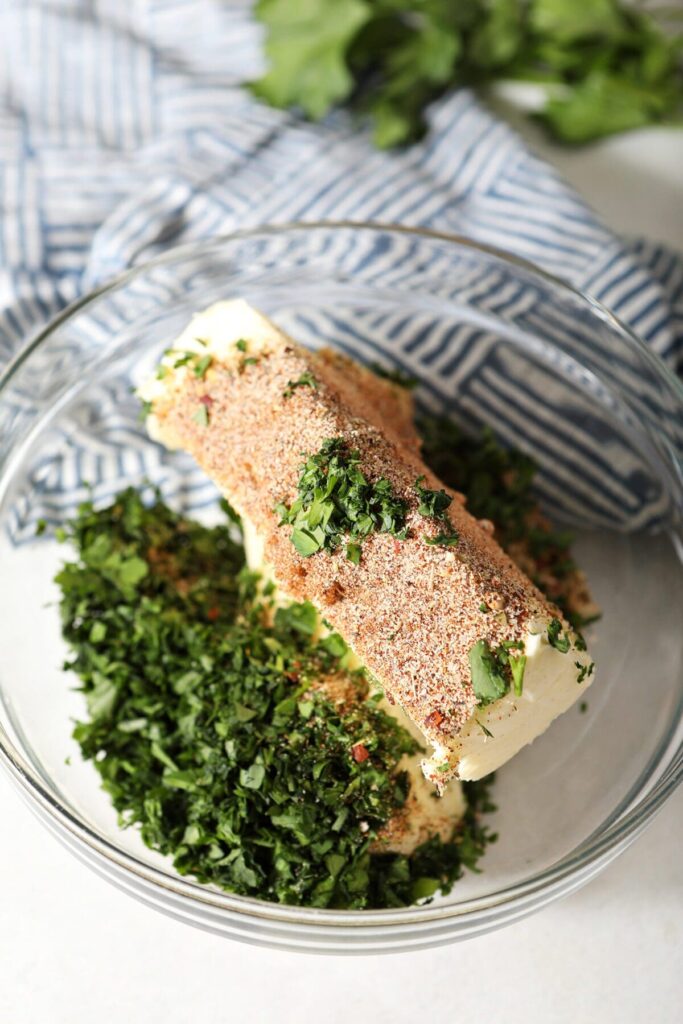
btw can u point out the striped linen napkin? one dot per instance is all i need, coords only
(124, 130)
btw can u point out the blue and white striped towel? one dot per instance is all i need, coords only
(124, 130)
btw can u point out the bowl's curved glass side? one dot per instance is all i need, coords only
(502, 345)
(481, 335)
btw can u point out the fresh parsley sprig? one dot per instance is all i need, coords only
(603, 66)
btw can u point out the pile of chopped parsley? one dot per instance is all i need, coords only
(211, 733)
(335, 499)
(600, 66)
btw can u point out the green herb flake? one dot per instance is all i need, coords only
(560, 641)
(580, 643)
(183, 359)
(488, 681)
(201, 366)
(434, 505)
(306, 380)
(487, 733)
(241, 345)
(585, 671)
(353, 553)
(247, 361)
(201, 416)
(517, 667)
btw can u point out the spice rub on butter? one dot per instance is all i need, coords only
(411, 580)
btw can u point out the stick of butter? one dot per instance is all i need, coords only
(440, 625)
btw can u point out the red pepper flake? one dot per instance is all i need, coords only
(207, 401)
(292, 677)
(397, 547)
(213, 613)
(359, 753)
(434, 719)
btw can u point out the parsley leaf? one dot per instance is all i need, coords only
(306, 380)
(201, 416)
(556, 638)
(517, 667)
(434, 504)
(306, 47)
(605, 65)
(488, 681)
(585, 671)
(202, 365)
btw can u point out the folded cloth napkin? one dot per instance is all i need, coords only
(124, 130)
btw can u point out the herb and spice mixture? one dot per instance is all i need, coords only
(243, 747)
(235, 726)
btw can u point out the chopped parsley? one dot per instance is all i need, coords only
(517, 667)
(487, 732)
(335, 499)
(434, 505)
(306, 380)
(241, 345)
(556, 638)
(494, 672)
(202, 365)
(183, 358)
(201, 416)
(353, 553)
(209, 723)
(198, 362)
(585, 671)
(488, 679)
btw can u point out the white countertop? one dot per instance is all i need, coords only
(74, 950)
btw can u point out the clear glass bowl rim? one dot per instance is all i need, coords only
(578, 866)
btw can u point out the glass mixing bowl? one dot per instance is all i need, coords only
(491, 339)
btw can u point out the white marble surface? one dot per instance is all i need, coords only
(74, 950)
